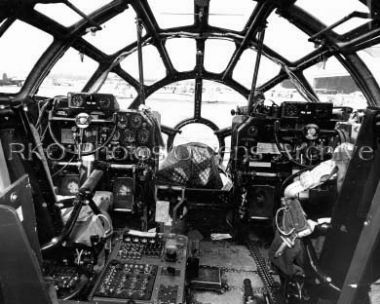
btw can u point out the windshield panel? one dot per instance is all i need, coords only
(175, 102)
(290, 42)
(284, 91)
(332, 83)
(243, 72)
(63, 79)
(182, 53)
(215, 60)
(154, 69)
(19, 53)
(110, 39)
(217, 102)
(122, 90)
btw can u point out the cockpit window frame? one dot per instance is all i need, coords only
(333, 44)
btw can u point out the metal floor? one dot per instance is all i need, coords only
(236, 264)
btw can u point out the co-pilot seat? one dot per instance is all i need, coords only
(352, 205)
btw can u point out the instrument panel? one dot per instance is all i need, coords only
(101, 102)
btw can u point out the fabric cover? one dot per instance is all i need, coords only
(193, 165)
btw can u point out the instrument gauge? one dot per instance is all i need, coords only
(311, 132)
(72, 187)
(122, 121)
(129, 136)
(143, 136)
(136, 121)
(77, 100)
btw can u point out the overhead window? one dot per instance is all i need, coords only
(69, 74)
(290, 42)
(332, 83)
(182, 52)
(217, 102)
(19, 55)
(66, 16)
(154, 69)
(231, 15)
(243, 72)
(123, 91)
(330, 11)
(216, 60)
(172, 13)
(175, 102)
(116, 33)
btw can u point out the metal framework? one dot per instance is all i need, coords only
(344, 47)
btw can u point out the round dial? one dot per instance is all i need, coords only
(77, 100)
(143, 136)
(122, 121)
(72, 187)
(129, 136)
(136, 121)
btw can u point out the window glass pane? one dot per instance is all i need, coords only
(197, 133)
(70, 74)
(175, 102)
(122, 90)
(243, 72)
(66, 16)
(172, 13)
(332, 83)
(18, 54)
(154, 68)
(330, 11)
(182, 52)
(235, 16)
(116, 33)
(371, 57)
(216, 60)
(290, 42)
(284, 91)
(217, 102)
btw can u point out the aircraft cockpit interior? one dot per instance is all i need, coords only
(189, 151)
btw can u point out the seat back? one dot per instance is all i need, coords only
(352, 205)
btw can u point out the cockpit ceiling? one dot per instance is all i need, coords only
(201, 27)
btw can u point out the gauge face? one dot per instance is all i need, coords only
(72, 187)
(136, 121)
(122, 121)
(291, 110)
(129, 136)
(311, 132)
(143, 136)
(77, 100)
(142, 153)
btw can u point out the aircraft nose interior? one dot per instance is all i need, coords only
(189, 152)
